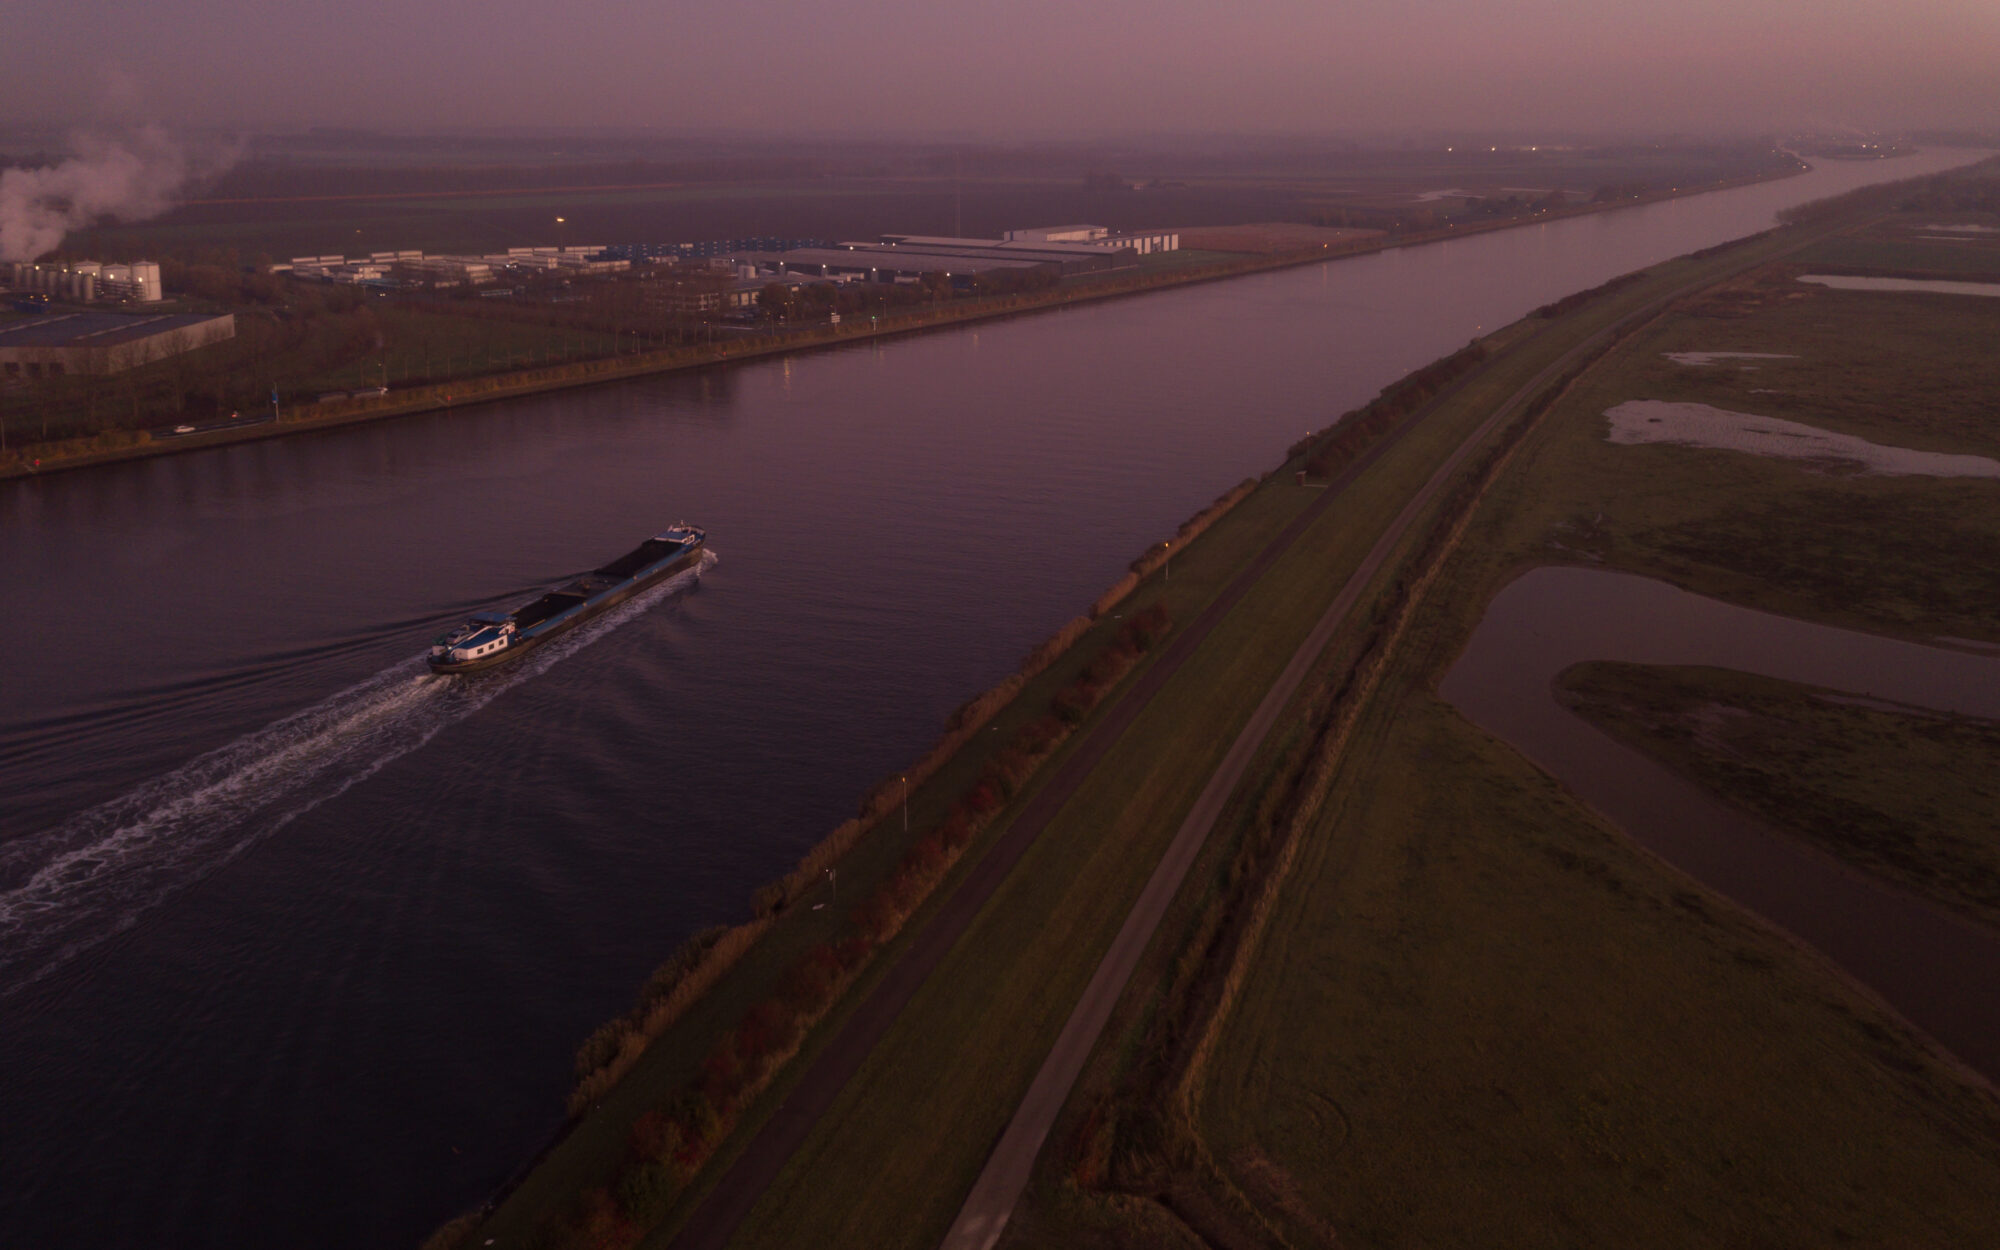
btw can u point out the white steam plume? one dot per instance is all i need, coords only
(131, 177)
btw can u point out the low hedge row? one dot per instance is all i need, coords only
(670, 1143)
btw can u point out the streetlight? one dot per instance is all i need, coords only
(906, 803)
(1169, 561)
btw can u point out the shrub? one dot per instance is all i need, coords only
(668, 976)
(1138, 634)
(852, 952)
(1012, 768)
(877, 918)
(808, 986)
(928, 856)
(602, 1046)
(1071, 704)
(700, 1126)
(769, 1028)
(602, 1226)
(656, 1137)
(904, 889)
(722, 1075)
(1040, 736)
(645, 1191)
(956, 829)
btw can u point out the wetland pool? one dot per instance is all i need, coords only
(1941, 972)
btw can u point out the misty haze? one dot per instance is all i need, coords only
(946, 628)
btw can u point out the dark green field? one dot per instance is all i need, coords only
(1899, 554)
(1481, 1017)
(1907, 794)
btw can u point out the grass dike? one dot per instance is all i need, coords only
(618, 1048)
(1482, 1016)
(911, 1127)
(1051, 913)
(650, 1057)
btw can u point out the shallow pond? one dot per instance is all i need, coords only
(1702, 425)
(1940, 971)
(1931, 286)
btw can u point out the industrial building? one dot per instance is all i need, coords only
(85, 281)
(1145, 243)
(91, 343)
(906, 257)
(640, 253)
(378, 268)
(1063, 250)
(1059, 234)
(587, 259)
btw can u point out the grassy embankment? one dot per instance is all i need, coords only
(966, 1030)
(913, 1127)
(592, 1152)
(1910, 245)
(1905, 793)
(1479, 1015)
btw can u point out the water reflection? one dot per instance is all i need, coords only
(358, 1026)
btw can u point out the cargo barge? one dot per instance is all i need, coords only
(491, 638)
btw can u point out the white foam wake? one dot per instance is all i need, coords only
(93, 875)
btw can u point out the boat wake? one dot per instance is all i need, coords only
(67, 889)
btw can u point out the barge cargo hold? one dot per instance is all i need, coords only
(491, 638)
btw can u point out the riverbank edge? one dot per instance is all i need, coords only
(960, 736)
(705, 959)
(1293, 458)
(1177, 1016)
(1421, 669)
(120, 446)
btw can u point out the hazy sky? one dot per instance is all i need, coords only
(1025, 68)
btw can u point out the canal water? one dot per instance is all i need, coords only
(296, 942)
(1940, 970)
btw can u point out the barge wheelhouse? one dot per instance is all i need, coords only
(490, 638)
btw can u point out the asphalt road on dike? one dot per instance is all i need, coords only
(1000, 1184)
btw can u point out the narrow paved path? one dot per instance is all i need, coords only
(999, 1186)
(716, 1220)
(1007, 1170)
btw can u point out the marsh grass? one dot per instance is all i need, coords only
(1481, 1017)
(1908, 795)
(1912, 556)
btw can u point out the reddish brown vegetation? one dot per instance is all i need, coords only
(1570, 303)
(668, 1144)
(1339, 447)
